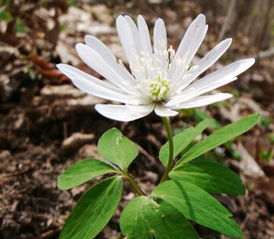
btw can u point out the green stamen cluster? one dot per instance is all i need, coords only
(158, 89)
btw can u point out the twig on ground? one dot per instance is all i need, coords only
(227, 19)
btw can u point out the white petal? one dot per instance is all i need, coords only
(134, 32)
(190, 93)
(92, 85)
(212, 81)
(212, 56)
(229, 71)
(103, 50)
(124, 112)
(159, 36)
(128, 37)
(98, 63)
(202, 101)
(192, 39)
(100, 47)
(208, 60)
(144, 35)
(162, 111)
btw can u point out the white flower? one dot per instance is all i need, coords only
(160, 79)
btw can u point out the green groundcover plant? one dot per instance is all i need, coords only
(162, 81)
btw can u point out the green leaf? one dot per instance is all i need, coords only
(182, 140)
(197, 205)
(6, 15)
(116, 148)
(219, 137)
(82, 171)
(199, 115)
(93, 211)
(20, 26)
(212, 177)
(144, 218)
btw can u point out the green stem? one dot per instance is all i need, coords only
(138, 191)
(168, 128)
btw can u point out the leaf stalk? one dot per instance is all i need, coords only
(136, 188)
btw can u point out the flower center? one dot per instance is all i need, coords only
(158, 89)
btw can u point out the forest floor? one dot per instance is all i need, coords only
(46, 124)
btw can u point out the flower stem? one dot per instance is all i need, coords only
(168, 128)
(138, 191)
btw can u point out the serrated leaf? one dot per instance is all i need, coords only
(182, 140)
(144, 218)
(197, 205)
(219, 137)
(116, 148)
(93, 211)
(82, 171)
(212, 177)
